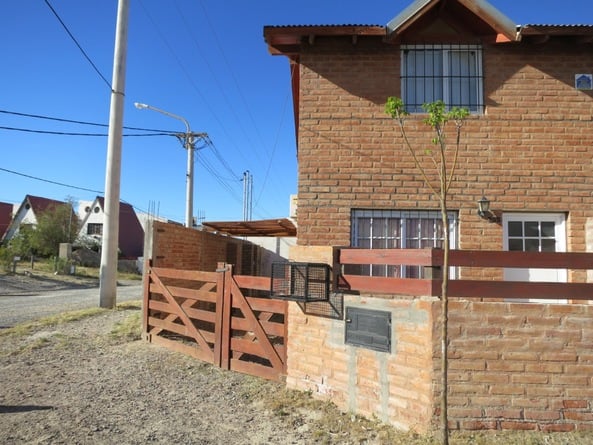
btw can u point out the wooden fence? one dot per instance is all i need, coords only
(433, 258)
(207, 315)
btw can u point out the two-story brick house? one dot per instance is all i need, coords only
(526, 146)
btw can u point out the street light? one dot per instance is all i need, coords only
(189, 146)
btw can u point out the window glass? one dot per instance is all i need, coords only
(531, 245)
(548, 229)
(516, 244)
(531, 228)
(452, 73)
(380, 229)
(515, 228)
(548, 245)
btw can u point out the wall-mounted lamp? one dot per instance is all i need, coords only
(484, 210)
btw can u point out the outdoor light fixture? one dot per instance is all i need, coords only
(484, 210)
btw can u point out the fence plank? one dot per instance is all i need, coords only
(421, 257)
(403, 286)
(542, 260)
(518, 289)
(271, 328)
(177, 346)
(249, 282)
(190, 275)
(179, 311)
(271, 353)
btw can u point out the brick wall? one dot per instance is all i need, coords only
(396, 388)
(521, 366)
(530, 151)
(175, 246)
(512, 366)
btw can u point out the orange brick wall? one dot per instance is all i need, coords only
(397, 388)
(530, 151)
(521, 366)
(175, 246)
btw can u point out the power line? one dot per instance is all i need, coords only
(71, 121)
(78, 45)
(65, 133)
(49, 181)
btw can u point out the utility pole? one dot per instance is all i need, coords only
(188, 143)
(247, 195)
(109, 245)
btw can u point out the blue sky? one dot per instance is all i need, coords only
(204, 60)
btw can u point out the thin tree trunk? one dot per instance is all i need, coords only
(444, 298)
(445, 326)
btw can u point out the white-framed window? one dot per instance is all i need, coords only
(399, 229)
(535, 232)
(451, 73)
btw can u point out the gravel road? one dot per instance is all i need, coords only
(27, 297)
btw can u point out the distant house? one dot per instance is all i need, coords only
(28, 213)
(131, 234)
(5, 217)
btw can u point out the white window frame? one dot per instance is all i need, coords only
(537, 275)
(403, 216)
(446, 50)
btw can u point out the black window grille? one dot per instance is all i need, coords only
(451, 73)
(94, 229)
(398, 229)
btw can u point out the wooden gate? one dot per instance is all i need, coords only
(208, 315)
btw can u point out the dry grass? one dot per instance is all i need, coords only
(47, 268)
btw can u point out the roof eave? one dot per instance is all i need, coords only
(504, 26)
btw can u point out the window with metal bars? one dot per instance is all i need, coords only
(94, 229)
(451, 73)
(399, 229)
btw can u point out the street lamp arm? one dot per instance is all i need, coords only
(189, 145)
(142, 106)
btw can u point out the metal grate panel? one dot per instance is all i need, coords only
(303, 282)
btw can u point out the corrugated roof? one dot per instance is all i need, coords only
(264, 227)
(327, 25)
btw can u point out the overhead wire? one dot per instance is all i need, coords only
(222, 90)
(57, 119)
(208, 167)
(271, 154)
(159, 133)
(182, 67)
(78, 45)
(65, 133)
(50, 181)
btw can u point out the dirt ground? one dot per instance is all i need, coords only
(93, 381)
(75, 384)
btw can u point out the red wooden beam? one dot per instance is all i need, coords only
(544, 260)
(421, 257)
(519, 290)
(468, 258)
(386, 285)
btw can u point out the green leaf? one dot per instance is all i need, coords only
(395, 107)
